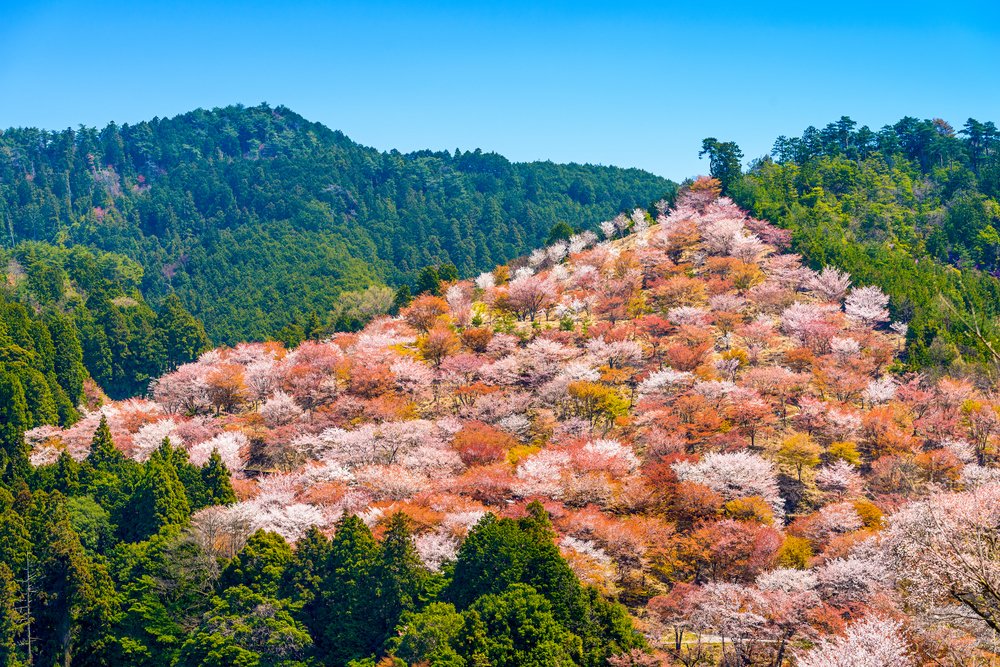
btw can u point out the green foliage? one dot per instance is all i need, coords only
(183, 337)
(431, 636)
(912, 209)
(12, 621)
(216, 485)
(159, 500)
(350, 628)
(13, 422)
(245, 628)
(561, 231)
(518, 628)
(260, 565)
(724, 161)
(97, 323)
(255, 217)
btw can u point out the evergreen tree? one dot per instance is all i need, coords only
(12, 620)
(189, 474)
(400, 575)
(103, 455)
(725, 161)
(67, 475)
(38, 397)
(246, 629)
(13, 423)
(517, 628)
(350, 595)
(303, 579)
(314, 328)
(403, 298)
(447, 273)
(159, 500)
(216, 482)
(428, 281)
(260, 564)
(561, 231)
(182, 336)
(68, 357)
(74, 608)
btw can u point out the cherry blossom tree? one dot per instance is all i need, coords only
(870, 642)
(280, 409)
(734, 475)
(530, 295)
(867, 305)
(830, 284)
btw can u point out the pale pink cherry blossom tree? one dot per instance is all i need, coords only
(945, 554)
(232, 447)
(786, 271)
(531, 295)
(556, 252)
(867, 305)
(150, 436)
(543, 474)
(840, 479)
(869, 642)
(280, 409)
(854, 580)
(830, 284)
(184, 390)
(734, 475)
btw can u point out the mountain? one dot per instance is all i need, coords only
(682, 420)
(258, 218)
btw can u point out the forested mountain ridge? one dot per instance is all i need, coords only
(257, 217)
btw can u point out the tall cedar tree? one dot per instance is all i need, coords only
(13, 422)
(350, 596)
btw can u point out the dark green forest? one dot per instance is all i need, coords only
(912, 208)
(256, 218)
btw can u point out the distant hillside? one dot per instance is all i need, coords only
(913, 208)
(257, 217)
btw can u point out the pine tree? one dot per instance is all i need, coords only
(77, 596)
(188, 473)
(183, 336)
(38, 396)
(68, 363)
(12, 620)
(104, 456)
(349, 595)
(260, 564)
(314, 327)
(67, 475)
(303, 578)
(159, 500)
(402, 299)
(400, 575)
(215, 479)
(13, 423)
(428, 281)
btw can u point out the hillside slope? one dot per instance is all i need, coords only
(257, 217)
(714, 428)
(913, 208)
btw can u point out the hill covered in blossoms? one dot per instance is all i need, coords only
(676, 418)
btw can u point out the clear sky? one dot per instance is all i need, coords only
(623, 83)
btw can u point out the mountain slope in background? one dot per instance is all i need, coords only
(257, 217)
(913, 208)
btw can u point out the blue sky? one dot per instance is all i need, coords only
(626, 83)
